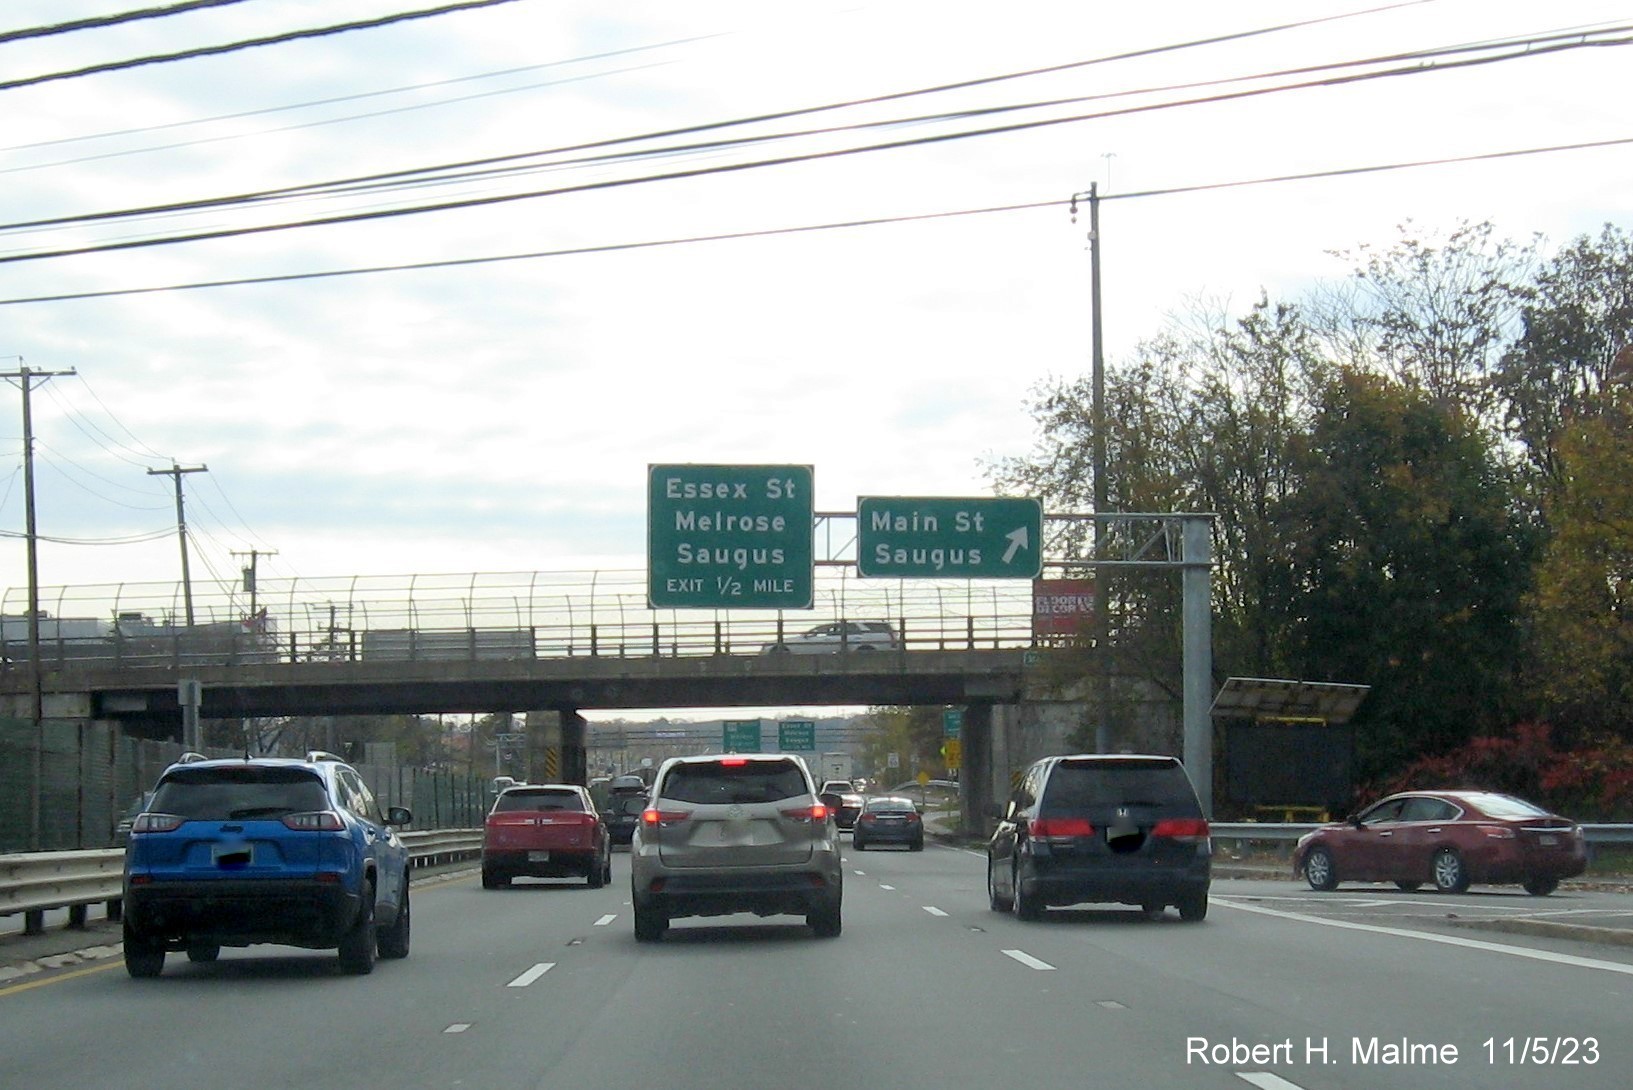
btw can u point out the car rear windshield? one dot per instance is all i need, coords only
(1075, 786)
(1506, 806)
(540, 799)
(630, 804)
(712, 783)
(877, 805)
(227, 794)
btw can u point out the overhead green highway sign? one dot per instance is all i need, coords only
(937, 537)
(740, 735)
(796, 734)
(737, 537)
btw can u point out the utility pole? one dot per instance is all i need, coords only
(176, 472)
(24, 377)
(250, 580)
(1097, 454)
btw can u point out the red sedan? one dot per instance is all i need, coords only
(1450, 838)
(544, 831)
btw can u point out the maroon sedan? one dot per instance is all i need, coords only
(544, 831)
(1450, 838)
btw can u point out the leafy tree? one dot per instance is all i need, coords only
(1434, 314)
(914, 734)
(1411, 568)
(1584, 587)
(1577, 321)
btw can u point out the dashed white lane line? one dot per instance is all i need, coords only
(883, 886)
(532, 974)
(1264, 1080)
(458, 1027)
(933, 910)
(1028, 960)
(1445, 940)
(605, 920)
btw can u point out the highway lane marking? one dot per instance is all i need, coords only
(532, 974)
(1445, 940)
(605, 920)
(1028, 960)
(933, 910)
(458, 1027)
(883, 886)
(1264, 1080)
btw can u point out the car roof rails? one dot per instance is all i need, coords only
(190, 758)
(314, 755)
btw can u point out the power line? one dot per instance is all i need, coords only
(251, 43)
(97, 22)
(698, 172)
(444, 168)
(879, 221)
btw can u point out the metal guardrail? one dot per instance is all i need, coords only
(33, 883)
(1253, 830)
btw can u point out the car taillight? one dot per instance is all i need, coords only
(734, 762)
(814, 813)
(1497, 832)
(156, 823)
(652, 817)
(1186, 829)
(1059, 828)
(318, 821)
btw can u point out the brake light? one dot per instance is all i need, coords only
(652, 817)
(1059, 828)
(1187, 829)
(813, 813)
(156, 823)
(318, 821)
(734, 762)
(1497, 832)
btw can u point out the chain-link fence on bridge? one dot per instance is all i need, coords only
(89, 774)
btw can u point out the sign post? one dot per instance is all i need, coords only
(729, 537)
(936, 537)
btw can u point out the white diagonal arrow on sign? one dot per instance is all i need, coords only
(1017, 542)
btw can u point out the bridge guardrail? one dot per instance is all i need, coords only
(33, 883)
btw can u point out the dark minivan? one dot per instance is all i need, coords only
(1105, 828)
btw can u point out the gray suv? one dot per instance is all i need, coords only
(735, 833)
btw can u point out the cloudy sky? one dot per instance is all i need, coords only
(574, 315)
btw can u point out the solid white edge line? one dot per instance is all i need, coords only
(1028, 960)
(605, 920)
(532, 974)
(1445, 940)
(1265, 1080)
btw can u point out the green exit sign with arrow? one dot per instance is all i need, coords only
(937, 537)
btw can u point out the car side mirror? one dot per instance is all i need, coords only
(1355, 820)
(399, 815)
(831, 801)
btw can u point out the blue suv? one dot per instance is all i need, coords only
(265, 850)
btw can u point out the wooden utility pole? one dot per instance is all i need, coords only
(24, 377)
(176, 471)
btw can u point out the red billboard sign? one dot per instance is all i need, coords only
(1062, 607)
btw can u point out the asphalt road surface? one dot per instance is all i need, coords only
(544, 986)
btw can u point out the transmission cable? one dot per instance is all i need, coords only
(96, 22)
(252, 43)
(698, 172)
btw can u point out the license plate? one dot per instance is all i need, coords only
(1547, 841)
(538, 857)
(232, 855)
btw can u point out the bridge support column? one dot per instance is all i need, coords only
(975, 774)
(575, 732)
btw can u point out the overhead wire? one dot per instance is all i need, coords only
(575, 251)
(97, 22)
(604, 184)
(779, 115)
(249, 43)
